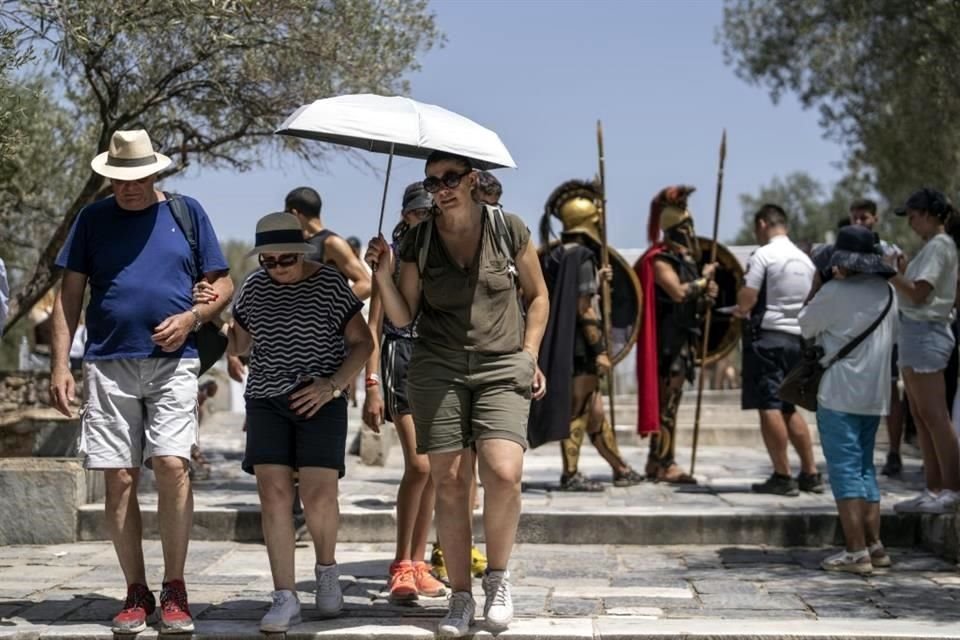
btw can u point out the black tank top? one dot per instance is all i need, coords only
(319, 242)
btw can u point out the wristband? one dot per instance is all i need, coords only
(373, 380)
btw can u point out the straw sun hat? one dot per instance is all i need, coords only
(279, 233)
(130, 157)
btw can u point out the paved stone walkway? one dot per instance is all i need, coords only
(45, 590)
(725, 474)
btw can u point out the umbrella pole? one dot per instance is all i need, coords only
(386, 185)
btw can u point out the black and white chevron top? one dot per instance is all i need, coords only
(297, 328)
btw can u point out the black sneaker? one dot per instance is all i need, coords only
(810, 482)
(894, 464)
(777, 485)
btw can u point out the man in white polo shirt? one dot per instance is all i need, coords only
(778, 278)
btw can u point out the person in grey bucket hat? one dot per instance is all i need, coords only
(853, 394)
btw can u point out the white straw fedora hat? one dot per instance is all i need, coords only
(279, 233)
(130, 157)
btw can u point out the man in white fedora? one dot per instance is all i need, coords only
(140, 362)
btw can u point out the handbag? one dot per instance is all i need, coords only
(802, 383)
(210, 339)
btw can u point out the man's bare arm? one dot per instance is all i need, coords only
(66, 317)
(349, 265)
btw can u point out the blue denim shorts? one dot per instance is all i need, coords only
(848, 441)
(924, 346)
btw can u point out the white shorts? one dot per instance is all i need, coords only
(136, 409)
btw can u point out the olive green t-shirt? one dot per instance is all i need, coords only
(472, 309)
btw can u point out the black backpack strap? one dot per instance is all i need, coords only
(184, 219)
(853, 344)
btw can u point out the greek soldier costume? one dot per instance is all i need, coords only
(574, 340)
(670, 329)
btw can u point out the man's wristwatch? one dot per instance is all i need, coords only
(197, 320)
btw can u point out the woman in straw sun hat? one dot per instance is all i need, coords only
(299, 320)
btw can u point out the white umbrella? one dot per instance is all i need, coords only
(397, 126)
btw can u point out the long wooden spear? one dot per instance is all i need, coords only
(709, 314)
(605, 297)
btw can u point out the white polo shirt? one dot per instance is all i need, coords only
(788, 273)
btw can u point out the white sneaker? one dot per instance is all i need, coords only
(945, 502)
(857, 562)
(328, 593)
(460, 616)
(879, 556)
(913, 504)
(498, 605)
(284, 612)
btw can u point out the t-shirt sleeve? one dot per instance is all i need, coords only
(241, 306)
(73, 255)
(345, 303)
(408, 245)
(211, 256)
(756, 269)
(519, 233)
(934, 261)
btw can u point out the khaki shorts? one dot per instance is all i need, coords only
(136, 409)
(459, 397)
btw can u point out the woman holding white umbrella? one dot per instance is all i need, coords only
(473, 371)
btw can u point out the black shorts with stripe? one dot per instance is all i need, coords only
(394, 361)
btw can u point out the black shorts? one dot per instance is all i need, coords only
(766, 361)
(277, 435)
(394, 361)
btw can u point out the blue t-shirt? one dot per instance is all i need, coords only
(139, 267)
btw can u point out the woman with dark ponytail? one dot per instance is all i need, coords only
(927, 291)
(386, 399)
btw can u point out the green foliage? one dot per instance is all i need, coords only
(814, 213)
(209, 79)
(882, 73)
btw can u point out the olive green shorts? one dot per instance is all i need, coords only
(459, 397)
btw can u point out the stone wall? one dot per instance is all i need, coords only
(29, 426)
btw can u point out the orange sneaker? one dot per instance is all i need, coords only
(403, 582)
(427, 585)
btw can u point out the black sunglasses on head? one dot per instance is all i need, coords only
(450, 180)
(284, 260)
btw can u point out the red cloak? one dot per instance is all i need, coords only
(648, 382)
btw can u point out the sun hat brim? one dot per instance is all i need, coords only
(100, 166)
(861, 262)
(282, 247)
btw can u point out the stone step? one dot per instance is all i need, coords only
(573, 525)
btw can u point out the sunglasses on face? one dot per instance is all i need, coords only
(450, 180)
(285, 260)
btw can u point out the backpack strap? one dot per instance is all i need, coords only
(424, 235)
(505, 239)
(184, 219)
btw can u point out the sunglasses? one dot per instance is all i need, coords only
(450, 180)
(285, 260)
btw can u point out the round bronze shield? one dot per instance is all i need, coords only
(626, 304)
(724, 328)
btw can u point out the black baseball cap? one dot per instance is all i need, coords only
(925, 199)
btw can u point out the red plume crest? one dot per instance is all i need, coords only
(675, 196)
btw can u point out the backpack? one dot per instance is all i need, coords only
(211, 343)
(501, 232)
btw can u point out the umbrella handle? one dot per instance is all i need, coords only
(383, 201)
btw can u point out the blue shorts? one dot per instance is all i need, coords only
(924, 346)
(848, 441)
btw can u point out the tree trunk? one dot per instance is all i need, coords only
(46, 273)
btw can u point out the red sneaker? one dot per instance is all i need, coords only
(174, 610)
(403, 582)
(139, 605)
